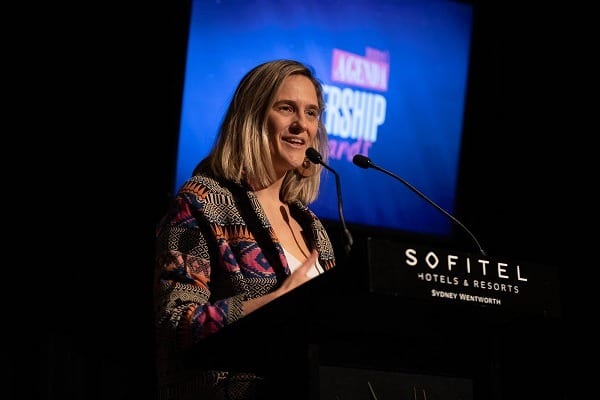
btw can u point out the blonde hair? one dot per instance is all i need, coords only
(242, 150)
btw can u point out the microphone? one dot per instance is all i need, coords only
(366, 163)
(315, 157)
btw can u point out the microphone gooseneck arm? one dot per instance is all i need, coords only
(365, 162)
(315, 157)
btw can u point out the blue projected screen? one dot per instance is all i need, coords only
(395, 80)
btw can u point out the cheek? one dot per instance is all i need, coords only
(274, 124)
(272, 132)
(313, 131)
(270, 126)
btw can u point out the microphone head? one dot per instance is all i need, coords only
(314, 156)
(362, 161)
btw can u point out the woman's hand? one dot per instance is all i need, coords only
(300, 275)
(297, 278)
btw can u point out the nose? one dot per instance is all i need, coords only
(300, 122)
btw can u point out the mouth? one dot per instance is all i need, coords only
(295, 141)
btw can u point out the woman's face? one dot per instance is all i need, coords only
(292, 122)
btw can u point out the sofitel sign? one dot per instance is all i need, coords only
(446, 275)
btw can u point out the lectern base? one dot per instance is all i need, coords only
(369, 384)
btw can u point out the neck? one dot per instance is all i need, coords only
(271, 192)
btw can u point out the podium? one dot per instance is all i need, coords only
(396, 321)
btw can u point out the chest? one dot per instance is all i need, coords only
(289, 232)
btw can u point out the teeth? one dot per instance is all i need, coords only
(295, 141)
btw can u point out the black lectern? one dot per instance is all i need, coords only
(398, 321)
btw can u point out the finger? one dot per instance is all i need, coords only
(310, 263)
(311, 259)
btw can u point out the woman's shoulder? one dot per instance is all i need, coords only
(202, 185)
(206, 189)
(217, 199)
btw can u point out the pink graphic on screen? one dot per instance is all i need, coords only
(371, 71)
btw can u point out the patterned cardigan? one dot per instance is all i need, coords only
(215, 248)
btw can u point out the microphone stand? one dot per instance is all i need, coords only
(365, 162)
(315, 157)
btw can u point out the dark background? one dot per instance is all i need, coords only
(99, 88)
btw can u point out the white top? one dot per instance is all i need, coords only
(294, 263)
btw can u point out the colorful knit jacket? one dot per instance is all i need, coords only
(215, 248)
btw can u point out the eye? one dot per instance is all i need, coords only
(286, 108)
(312, 113)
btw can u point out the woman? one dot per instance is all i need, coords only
(240, 234)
